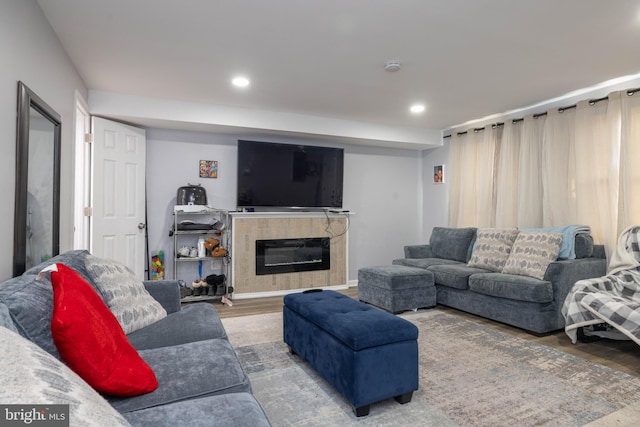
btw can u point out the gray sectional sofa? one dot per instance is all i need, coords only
(525, 302)
(201, 380)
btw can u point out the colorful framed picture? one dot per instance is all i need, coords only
(208, 168)
(438, 174)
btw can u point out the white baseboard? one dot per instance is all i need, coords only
(235, 296)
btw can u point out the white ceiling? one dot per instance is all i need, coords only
(464, 59)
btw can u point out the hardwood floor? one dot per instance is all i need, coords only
(621, 355)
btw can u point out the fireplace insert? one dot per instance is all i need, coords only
(292, 255)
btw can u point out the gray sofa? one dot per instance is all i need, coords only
(201, 380)
(525, 302)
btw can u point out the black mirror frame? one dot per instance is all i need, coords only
(26, 100)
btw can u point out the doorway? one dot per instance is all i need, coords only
(109, 193)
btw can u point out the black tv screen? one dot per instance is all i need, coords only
(288, 175)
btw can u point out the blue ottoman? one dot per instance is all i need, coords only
(366, 354)
(396, 288)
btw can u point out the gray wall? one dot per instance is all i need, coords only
(435, 196)
(31, 52)
(381, 185)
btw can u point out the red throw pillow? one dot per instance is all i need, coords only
(92, 342)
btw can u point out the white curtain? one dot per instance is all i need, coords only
(507, 176)
(629, 201)
(462, 158)
(530, 172)
(472, 196)
(486, 141)
(576, 166)
(597, 160)
(558, 185)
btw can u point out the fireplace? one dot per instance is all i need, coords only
(292, 255)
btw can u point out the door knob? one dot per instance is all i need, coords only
(142, 226)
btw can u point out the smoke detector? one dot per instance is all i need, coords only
(392, 65)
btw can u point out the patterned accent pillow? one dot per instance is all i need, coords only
(30, 375)
(124, 294)
(532, 253)
(492, 248)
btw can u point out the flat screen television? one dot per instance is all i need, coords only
(279, 175)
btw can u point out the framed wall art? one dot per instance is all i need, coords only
(208, 168)
(438, 174)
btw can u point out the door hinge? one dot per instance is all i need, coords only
(88, 211)
(88, 138)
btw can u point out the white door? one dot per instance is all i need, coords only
(118, 194)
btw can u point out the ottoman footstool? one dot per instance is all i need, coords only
(396, 288)
(366, 354)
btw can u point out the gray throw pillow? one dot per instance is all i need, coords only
(532, 253)
(492, 248)
(30, 301)
(124, 294)
(5, 318)
(31, 376)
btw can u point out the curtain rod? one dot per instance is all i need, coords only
(592, 102)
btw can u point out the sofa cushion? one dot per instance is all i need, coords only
(188, 371)
(424, 262)
(395, 277)
(520, 288)
(418, 251)
(532, 253)
(584, 246)
(30, 301)
(166, 292)
(125, 295)
(91, 341)
(492, 247)
(233, 409)
(454, 275)
(194, 322)
(5, 318)
(452, 243)
(32, 376)
(73, 259)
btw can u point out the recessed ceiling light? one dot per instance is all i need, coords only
(240, 81)
(417, 108)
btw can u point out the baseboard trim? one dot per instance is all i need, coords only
(237, 296)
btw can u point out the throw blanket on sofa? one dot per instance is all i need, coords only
(569, 232)
(613, 299)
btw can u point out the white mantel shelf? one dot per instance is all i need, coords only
(290, 214)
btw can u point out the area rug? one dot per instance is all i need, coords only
(470, 375)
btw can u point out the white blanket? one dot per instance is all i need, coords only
(613, 299)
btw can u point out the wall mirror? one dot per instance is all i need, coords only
(37, 203)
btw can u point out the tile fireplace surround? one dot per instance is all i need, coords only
(247, 228)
